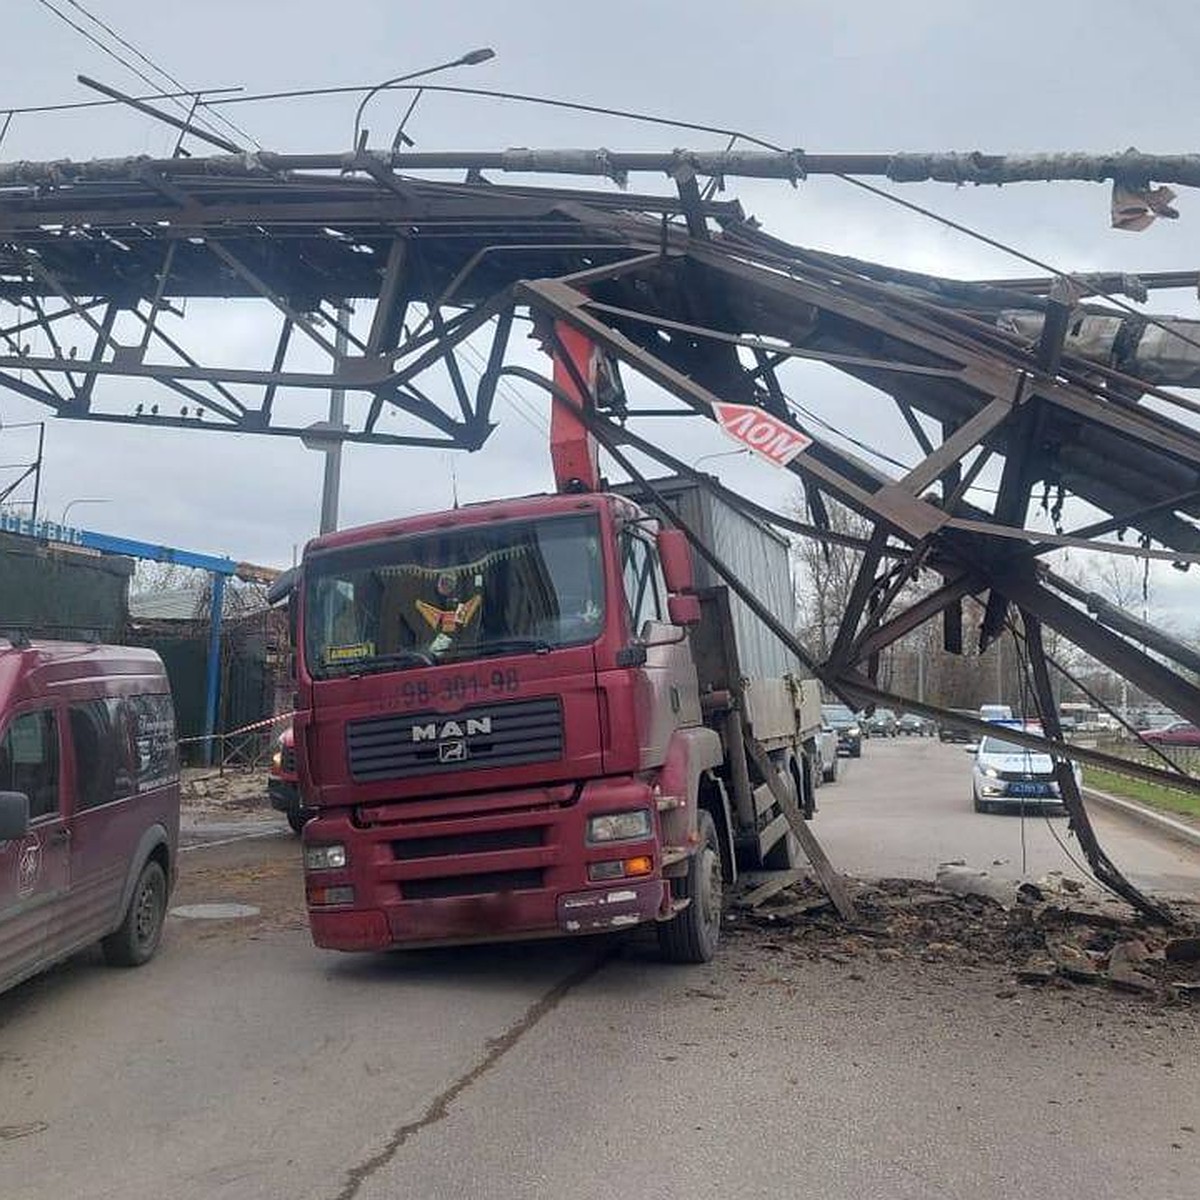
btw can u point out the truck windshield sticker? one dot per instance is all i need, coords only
(450, 620)
(340, 654)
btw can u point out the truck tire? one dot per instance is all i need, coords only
(692, 935)
(297, 817)
(136, 938)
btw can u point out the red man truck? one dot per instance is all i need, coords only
(528, 718)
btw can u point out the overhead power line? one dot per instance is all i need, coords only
(171, 79)
(132, 67)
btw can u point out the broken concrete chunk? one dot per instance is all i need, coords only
(1056, 883)
(1037, 968)
(1183, 949)
(1074, 962)
(1123, 962)
(967, 881)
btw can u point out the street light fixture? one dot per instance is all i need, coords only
(470, 59)
(82, 500)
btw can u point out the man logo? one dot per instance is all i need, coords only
(453, 751)
(432, 731)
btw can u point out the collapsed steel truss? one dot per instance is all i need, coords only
(680, 288)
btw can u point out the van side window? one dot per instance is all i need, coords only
(29, 761)
(640, 575)
(95, 754)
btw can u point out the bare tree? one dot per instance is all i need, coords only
(825, 575)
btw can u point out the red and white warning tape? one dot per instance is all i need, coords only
(206, 737)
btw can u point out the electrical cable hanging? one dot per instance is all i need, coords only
(171, 79)
(124, 62)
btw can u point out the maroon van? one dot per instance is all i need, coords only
(89, 803)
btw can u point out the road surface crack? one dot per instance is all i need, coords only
(496, 1049)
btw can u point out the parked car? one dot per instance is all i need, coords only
(882, 723)
(995, 712)
(89, 804)
(950, 731)
(283, 783)
(910, 724)
(1178, 733)
(847, 726)
(1006, 775)
(827, 750)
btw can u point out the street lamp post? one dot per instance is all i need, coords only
(82, 500)
(332, 482)
(470, 59)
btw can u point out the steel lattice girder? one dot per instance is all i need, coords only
(680, 289)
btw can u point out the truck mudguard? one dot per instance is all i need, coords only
(690, 752)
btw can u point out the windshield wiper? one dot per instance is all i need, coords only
(380, 662)
(509, 645)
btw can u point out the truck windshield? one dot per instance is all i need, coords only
(507, 588)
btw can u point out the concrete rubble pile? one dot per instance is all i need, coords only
(1053, 932)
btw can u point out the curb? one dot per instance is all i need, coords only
(1178, 831)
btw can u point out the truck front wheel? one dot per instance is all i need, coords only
(691, 936)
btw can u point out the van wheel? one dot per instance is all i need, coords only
(137, 938)
(692, 936)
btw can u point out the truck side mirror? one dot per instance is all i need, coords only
(14, 815)
(676, 557)
(684, 610)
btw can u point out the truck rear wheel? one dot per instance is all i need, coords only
(692, 935)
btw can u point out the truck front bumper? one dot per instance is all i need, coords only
(453, 876)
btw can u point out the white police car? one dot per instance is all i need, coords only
(1009, 776)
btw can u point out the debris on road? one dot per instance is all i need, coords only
(1048, 933)
(207, 794)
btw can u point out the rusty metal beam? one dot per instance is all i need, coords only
(1068, 789)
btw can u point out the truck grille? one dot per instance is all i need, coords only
(484, 841)
(530, 879)
(499, 735)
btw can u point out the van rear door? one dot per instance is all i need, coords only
(34, 869)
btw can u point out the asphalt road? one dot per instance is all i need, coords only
(242, 1063)
(905, 807)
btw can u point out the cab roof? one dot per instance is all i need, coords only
(522, 508)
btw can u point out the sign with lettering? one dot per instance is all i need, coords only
(46, 531)
(766, 435)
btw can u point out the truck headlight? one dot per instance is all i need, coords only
(325, 858)
(277, 761)
(620, 827)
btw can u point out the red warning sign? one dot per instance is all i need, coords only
(766, 435)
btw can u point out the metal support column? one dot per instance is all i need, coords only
(213, 676)
(332, 484)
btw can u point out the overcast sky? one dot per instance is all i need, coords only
(874, 76)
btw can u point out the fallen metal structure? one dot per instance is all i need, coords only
(99, 260)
